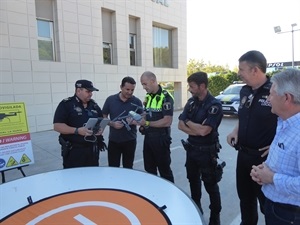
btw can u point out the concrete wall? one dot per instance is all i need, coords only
(43, 84)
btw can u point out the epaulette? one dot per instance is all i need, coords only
(67, 99)
(94, 102)
(268, 85)
(167, 93)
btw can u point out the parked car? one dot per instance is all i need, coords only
(230, 98)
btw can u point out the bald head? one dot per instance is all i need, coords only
(149, 82)
(149, 75)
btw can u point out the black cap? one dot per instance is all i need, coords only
(85, 84)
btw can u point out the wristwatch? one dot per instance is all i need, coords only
(147, 123)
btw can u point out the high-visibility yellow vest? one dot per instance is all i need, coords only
(155, 103)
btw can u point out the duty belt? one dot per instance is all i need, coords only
(156, 133)
(202, 147)
(81, 145)
(250, 151)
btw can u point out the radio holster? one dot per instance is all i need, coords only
(66, 146)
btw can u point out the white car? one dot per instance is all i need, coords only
(230, 98)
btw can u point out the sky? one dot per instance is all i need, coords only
(220, 31)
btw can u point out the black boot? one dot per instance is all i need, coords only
(214, 219)
(200, 208)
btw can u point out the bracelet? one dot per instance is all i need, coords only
(147, 123)
(76, 131)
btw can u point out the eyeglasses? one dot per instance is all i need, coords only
(249, 101)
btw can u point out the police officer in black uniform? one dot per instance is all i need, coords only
(159, 105)
(253, 133)
(200, 119)
(80, 146)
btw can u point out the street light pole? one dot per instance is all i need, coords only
(293, 25)
(277, 30)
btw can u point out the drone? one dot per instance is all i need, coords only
(3, 115)
(131, 114)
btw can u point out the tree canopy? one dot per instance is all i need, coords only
(219, 76)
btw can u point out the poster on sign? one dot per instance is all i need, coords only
(15, 143)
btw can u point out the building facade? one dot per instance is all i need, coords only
(46, 45)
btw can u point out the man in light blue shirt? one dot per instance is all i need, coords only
(280, 173)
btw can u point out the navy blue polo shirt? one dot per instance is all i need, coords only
(113, 107)
(72, 112)
(257, 124)
(208, 110)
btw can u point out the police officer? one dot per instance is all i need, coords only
(156, 127)
(80, 146)
(253, 133)
(200, 119)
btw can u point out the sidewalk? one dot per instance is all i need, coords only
(47, 153)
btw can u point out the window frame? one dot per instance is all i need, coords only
(159, 51)
(50, 39)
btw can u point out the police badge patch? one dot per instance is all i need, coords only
(78, 109)
(213, 109)
(243, 101)
(167, 106)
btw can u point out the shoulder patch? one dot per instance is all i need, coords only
(213, 109)
(243, 101)
(167, 106)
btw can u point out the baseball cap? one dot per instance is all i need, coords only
(85, 84)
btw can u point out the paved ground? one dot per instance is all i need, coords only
(47, 157)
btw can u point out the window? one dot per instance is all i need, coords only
(107, 53)
(45, 29)
(109, 37)
(132, 47)
(162, 47)
(135, 41)
(45, 40)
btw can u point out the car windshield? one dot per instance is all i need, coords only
(232, 89)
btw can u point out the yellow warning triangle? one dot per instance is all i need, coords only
(11, 162)
(25, 159)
